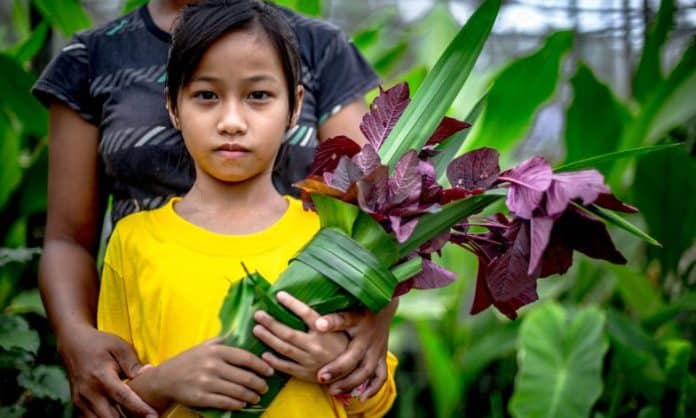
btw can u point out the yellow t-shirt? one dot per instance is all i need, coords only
(164, 281)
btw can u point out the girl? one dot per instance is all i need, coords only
(233, 91)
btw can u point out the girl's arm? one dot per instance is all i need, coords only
(68, 275)
(209, 375)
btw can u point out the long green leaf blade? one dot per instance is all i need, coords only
(613, 156)
(431, 225)
(440, 86)
(614, 219)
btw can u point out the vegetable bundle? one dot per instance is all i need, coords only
(384, 212)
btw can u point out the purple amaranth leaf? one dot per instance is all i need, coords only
(482, 296)
(433, 276)
(447, 127)
(586, 185)
(402, 229)
(384, 112)
(372, 190)
(367, 159)
(329, 153)
(609, 201)
(405, 184)
(474, 170)
(540, 232)
(346, 174)
(509, 284)
(576, 230)
(436, 244)
(528, 182)
(455, 193)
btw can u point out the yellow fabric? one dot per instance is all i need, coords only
(164, 280)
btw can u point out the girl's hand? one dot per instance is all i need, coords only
(365, 358)
(210, 375)
(304, 352)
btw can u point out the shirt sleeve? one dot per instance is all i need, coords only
(112, 310)
(66, 79)
(378, 405)
(343, 74)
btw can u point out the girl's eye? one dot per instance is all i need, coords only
(259, 95)
(205, 95)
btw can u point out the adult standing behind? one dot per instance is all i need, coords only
(110, 134)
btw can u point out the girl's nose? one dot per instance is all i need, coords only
(232, 120)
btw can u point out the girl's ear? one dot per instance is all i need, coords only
(173, 117)
(299, 96)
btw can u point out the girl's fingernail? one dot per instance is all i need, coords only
(324, 378)
(322, 324)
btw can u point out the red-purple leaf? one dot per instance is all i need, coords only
(474, 170)
(482, 297)
(586, 185)
(540, 227)
(367, 159)
(432, 276)
(528, 182)
(385, 111)
(405, 184)
(447, 127)
(455, 193)
(589, 236)
(372, 190)
(330, 152)
(609, 201)
(346, 174)
(509, 284)
(402, 229)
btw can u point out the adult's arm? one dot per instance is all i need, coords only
(68, 273)
(345, 122)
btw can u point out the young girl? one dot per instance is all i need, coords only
(233, 91)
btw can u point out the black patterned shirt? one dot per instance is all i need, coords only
(114, 75)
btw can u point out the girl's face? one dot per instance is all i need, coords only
(234, 111)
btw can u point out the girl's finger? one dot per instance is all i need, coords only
(299, 308)
(279, 345)
(339, 321)
(235, 390)
(376, 382)
(289, 335)
(364, 371)
(217, 401)
(241, 378)
(284, 366)
(243, 359)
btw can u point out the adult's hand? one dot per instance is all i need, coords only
(96, 361)
(365, 358)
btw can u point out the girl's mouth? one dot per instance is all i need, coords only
(231, 150)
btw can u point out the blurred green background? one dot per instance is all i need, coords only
(566, 79)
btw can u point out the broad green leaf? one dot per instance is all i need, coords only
(517, 94)
(432, 34)
(335, 213)
(26, 50)
(47, 382)
(683, 303)
(644, 127)
(390, 59)
(306, 7)
(16, 334)
(594, 120)
(649, 72)
(678, 108)
(665, 191)
(15, 85)
(598, 160)
(677, 358)
(637, 291)
(441, 85)
(10, 169)
(497, 341)
(366, 38)
(21, 21)
(560, 363)
(68, 16)
(649, 412)
(34, 184)
(25, 302)
(442, 371)
(616, 220)
(131, 5)
(14, 411)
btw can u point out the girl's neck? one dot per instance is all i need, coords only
(165, 12)
(235, 209)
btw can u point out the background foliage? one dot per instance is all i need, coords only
(604, 341)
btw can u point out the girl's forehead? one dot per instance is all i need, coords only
(241, 50)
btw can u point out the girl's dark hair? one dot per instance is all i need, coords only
(204, 22)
